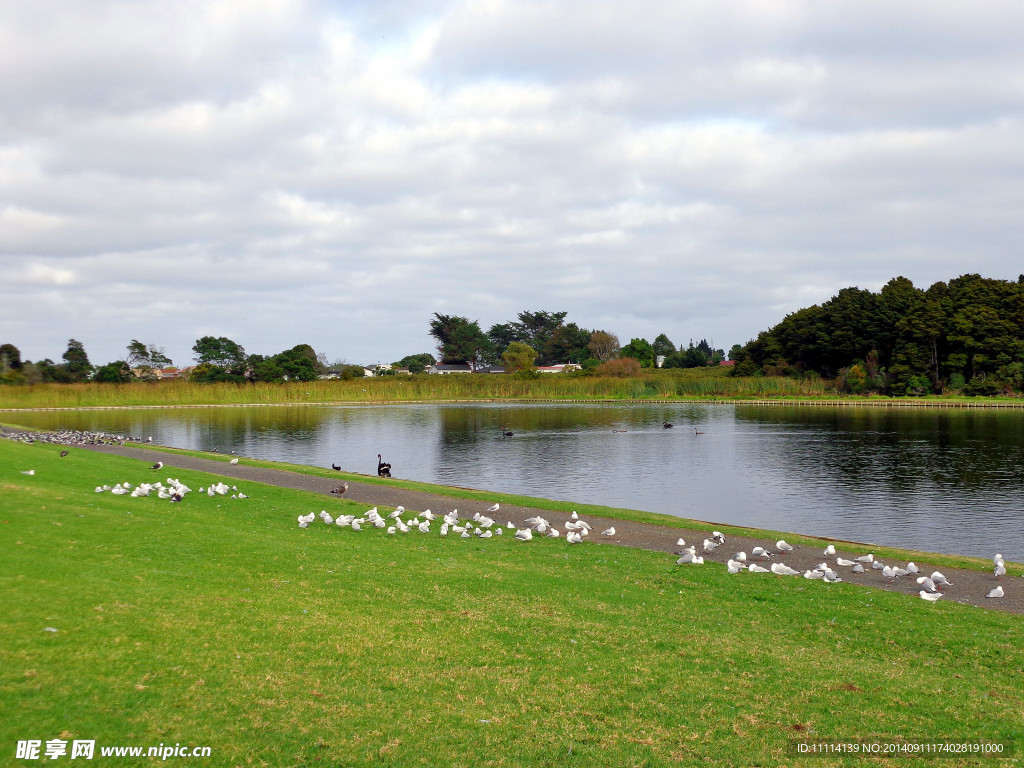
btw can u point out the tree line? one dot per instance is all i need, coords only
(965, 336)
(217, 359)
(544, 338)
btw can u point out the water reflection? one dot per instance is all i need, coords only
(945, 480)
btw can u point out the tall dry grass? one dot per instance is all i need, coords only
(656, 385)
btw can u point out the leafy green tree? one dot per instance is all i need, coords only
(537, 329)
(694, 357)
(499, 336)
(663, 346)
(300, 363)
(518, 357)
(459, 339)
(76, 362)
(641, 351)
(265, 369)
(221, 352)
(117, 372)
(208, 373)
(10, 358)
(420, 362)
(568, 344)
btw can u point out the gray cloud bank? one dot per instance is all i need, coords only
(333, 173)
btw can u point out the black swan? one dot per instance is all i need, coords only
(383, 469)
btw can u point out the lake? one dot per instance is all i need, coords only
(937, 479)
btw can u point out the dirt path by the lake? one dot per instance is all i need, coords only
(968, 586)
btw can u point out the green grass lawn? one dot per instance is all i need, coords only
(220, 623)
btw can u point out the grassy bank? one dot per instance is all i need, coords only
(661, 385)
(220, 623)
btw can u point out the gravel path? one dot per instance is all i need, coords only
(969, 587)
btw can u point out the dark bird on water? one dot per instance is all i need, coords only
(335, 467)
(158, 465)
(507, 434)
(666, 425)
(383, 468)
(341, 488)
(697, 431)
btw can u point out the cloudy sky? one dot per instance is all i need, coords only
(332, 173)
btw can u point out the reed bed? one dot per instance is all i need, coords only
(659, 385)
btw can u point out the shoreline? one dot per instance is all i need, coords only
(803, 402)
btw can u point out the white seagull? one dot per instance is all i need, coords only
(930, 596)
(608, 531)
(997, 592)
(831, 576)
(783, 546)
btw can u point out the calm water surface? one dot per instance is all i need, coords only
(934, 479)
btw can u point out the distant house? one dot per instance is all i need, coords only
(490, 369)
(558, 368)
(727, 362)
(163, 373)
(445, 369)
(333, 372)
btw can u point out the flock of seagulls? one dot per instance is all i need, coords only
(576, 530)
(481, 525)
(174, 490)
(931, 587)
(71, 437)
